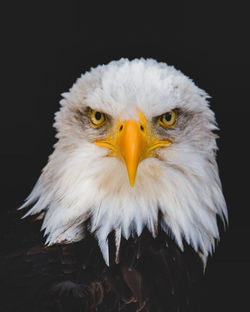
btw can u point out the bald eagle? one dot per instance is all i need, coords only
(130, 196)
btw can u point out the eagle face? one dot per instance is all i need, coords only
(135, 138)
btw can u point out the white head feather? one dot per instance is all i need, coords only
(79, 181)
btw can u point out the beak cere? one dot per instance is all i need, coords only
(132, 141)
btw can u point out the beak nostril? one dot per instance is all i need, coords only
(142, 128)
(121, 127)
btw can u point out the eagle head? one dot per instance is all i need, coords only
(135, 139)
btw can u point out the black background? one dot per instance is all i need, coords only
(47, 46)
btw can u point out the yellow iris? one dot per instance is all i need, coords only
(97, 119)
(168, 119)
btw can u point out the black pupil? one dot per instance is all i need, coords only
(168, 116)
(98, 116)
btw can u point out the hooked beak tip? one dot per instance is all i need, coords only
(132, 182)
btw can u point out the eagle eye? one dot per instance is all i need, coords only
(97, 119)
(168, 119)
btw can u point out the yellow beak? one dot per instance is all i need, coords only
(132, 145)
(132, 142)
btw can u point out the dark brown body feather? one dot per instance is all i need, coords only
(153, 274)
